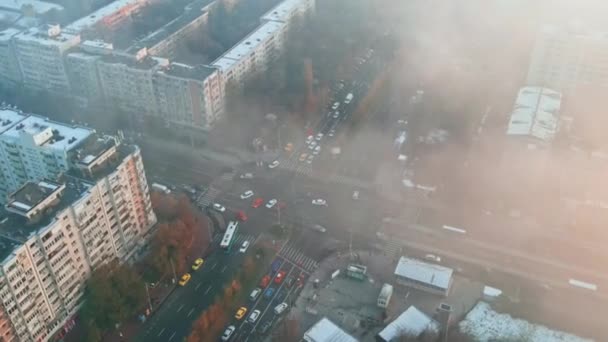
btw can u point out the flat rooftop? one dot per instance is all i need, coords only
(536, 113)
(283, 10)
(423, 272)
(145, 63)
(42, 37)
(8, 33)
(93, 148)
(248, 44)
(64, 137)
(9, 117)
(40, 7)
(106, 168)
(326, 331)
(15, 230)
(412, 321)
(199, 72)
(31, 194)
(90, 20)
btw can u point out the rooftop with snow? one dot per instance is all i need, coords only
(536, 113)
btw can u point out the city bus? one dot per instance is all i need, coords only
(229, 235)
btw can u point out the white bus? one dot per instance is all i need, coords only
(228, 238)
(161, 188)
(582, 284)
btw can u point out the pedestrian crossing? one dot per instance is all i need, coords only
(393, 248)
(208, 197)
(295, 255)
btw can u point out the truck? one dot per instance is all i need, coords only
(385, 296)
(348, 98)
(265, 281)
(161, 188)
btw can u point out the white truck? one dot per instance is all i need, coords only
(385, 296)
(161, 188)
(349, 98)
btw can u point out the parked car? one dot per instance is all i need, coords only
(279, 278)
(219, 207)
(279, 309)
(255, 294)
(257, 202)
(197, 264)
(433, 257)
(185, 279)
(271, 203)
(228, 333)
(319, 201)
(319, 228)
(240, 313)
(269, 292)
(246, 194)
(254, 316)
(335, 105)
(244, 247)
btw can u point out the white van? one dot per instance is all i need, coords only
(255, 294)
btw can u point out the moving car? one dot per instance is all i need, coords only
(279, 309)
(265, 281)
(433, 257)
(335, 105)
(309, 138)
(310, 158)
(349, 98)
(228, 333)
(240, 313)
(319, 136)
(255, 294)
(279, 278)
(246, 176)
(332, 133)
(185, 279)
(303, 156)
(244, 247)
(317, 150)
(356, 194)
(273, 164)
(219, 207)
(197, 264)
(257, 202)
(336, 114)
(241, 216)
(319, 228)
(254, 316)
(269, 292)
(271, 203)
(246, 194)
(319, 201)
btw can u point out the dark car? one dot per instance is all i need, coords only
(265, 327)
(289, 282)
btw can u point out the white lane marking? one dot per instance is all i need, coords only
(170, 338)
(190, 312)
(161, 332)
(212, 267)
(223, 269)
(208, 289)
(197, 286)
(180, 308)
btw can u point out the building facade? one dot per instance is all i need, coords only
(55, 233)
(10, 72)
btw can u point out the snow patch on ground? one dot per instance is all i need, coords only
(484, 324)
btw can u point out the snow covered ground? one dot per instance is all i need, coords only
(484, 324)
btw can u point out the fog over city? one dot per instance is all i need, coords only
(303, 170)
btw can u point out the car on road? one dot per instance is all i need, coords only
(219, 207)
(332, 132)
(228, 333)
(289, 282)
(254, 316)
(257, 202)
(269, 292)
(273, 164)
(271, 203)
(319, 201)
(317, 150)
(240, 313)
(255, 294)
(312, 144)
(246, 194)
(185, 279)
(335, 105)
(265, 281)
(433, 257)
(310, 138)
(241, 216)
(348, 98)
(244, 247)
(288, 147)
(279, 309)
(197, 264)
(319, 228)
(336, 114)
(310, 158)
(265, 327)
(246, 176)
(303, 156)
(319, 136)
(274, 267)
(279, 278)
(356, 194)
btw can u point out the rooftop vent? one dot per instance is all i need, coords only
(19, 126)
(72, 139)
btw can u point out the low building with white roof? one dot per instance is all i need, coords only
(424, 276)
(286, 10)
(411, 323)
(535, 114)
(38, 7)
(326, 331)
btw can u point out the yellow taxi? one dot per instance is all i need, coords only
(240, 313)
(303, 156)
(197, 264)
(185, 279)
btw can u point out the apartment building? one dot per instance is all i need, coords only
(128, 81)
(187, 96)
(110, 17)
(40, 54)
(10, 73)
(286, 10)
(55, 232)
(253, 53)
(564, 58)
(34, 148)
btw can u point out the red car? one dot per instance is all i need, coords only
(257, 202)
(279, 278)
(241, 216)
(265, 281)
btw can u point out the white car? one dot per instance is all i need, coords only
(271, 203)
(433, 257)
(319, 137)
(356, 195)
(246, 176)
(246, 194)
(310, 158)
(228, 333)
(312, 144)
(317, 150)
(310, 138)
(331, 133)
(254, 316)
(319, 228)
(273, 164)
(335, 105)
(279, 309)
(319, 201)
(219, 207)
(336, 114)
(244, 247)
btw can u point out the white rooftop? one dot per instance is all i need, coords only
(326, 331)
(282, 11)
(42, 37)
(436, 275)
(247, 45)
(9, 118)
(34, 125)
(40, 7)
(5, 35)
(536, 113)
(412, 322)
(86, 22)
